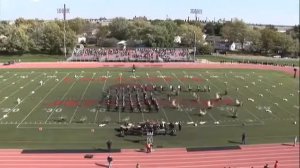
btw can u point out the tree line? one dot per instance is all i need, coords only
(38, 36)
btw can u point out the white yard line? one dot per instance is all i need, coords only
(254, 102)
(163, 108)
(4, 73)
(264, 99)
(65, 94)
(243, 106)
(111, 127)
(274, 95)
(105, 82)
(3, 76)
(189, 116)
(24, 98)
(103, 89)
(211, 116)
(7, 78)
(8, 85)
(17, 90)
(95, 120)
(50, 91)
(81, 98)
(273, 83)
(247, 110)
(167, 86)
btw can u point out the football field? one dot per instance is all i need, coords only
(67, 108)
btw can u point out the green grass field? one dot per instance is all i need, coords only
(229, 58)
(32, 58)
(74, 94)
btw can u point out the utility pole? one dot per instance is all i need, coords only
(196, 12)
(64, 11)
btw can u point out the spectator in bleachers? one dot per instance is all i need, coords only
(137, 54)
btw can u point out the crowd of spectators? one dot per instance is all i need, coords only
(132, 54)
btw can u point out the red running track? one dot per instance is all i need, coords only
(289, 70)
(246, 157)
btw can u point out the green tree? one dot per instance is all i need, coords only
(102, 34)
(204, 49)
(269, 38)
(4, 33)
(295, 32)
(235, 31)
(187, 33)
(36, 38)
(209, 29)
(179, 22)
(294, 49)
(254, 37)
(213, 29)
(119, 28)
(70, 40)
(171, 29)
(284, 44)
(17, 40)
(155, 37)
(52, 38)
(137, 29)
(77, 25)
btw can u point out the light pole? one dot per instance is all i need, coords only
(196, 12)
(64, 11)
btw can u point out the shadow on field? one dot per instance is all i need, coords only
(140, 141)
(286, 144)
(234, 142)
(101, 165)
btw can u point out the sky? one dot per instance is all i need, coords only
(278, 12)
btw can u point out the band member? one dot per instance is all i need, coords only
(189, 88)
(209, 105)
(133, 68)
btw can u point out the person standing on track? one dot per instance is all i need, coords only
(109, 160)
(276, 164)
(133, 68)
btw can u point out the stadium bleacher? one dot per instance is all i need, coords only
(131, 55)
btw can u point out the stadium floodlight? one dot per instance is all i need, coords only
(64, 11)
(196, 12)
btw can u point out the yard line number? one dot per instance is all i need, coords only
(9, 110)
(50, 110)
